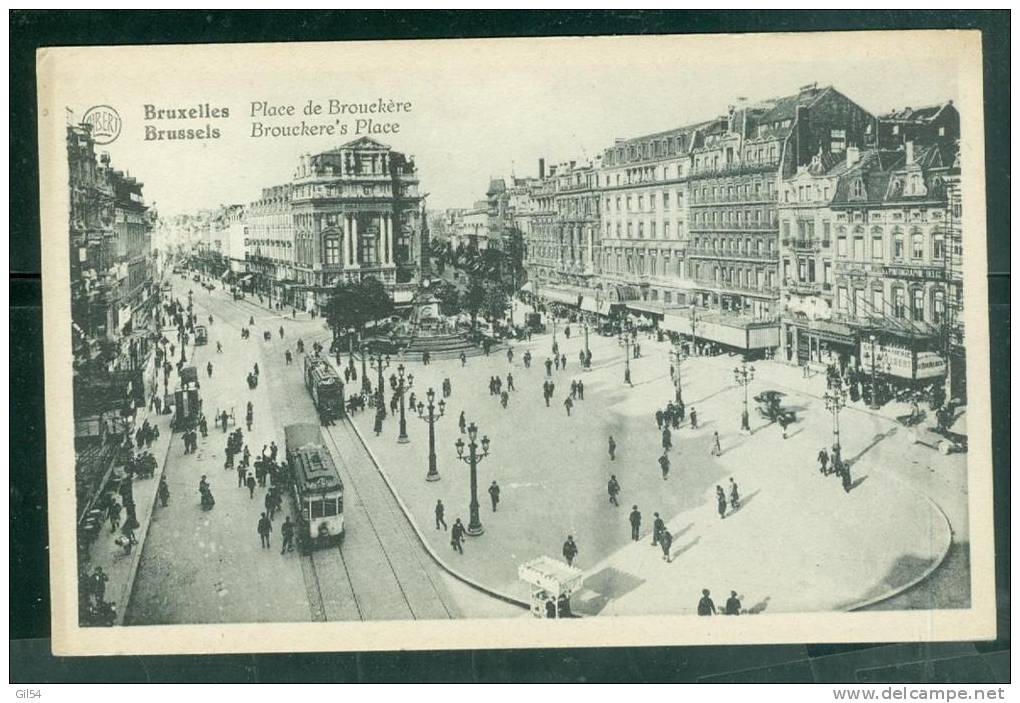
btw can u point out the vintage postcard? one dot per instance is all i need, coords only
(726, 295)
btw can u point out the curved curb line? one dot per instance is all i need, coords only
(421, 538)
(927, 572)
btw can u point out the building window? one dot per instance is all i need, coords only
(331, 250)
(938, 306)
(654, 230)
(876, 243)
(841, 242)
(859, 244)
(827, 273)
(916, 244)
(917, 306)
(838, 141)
(938, 246)
(857, 189)
(842, 299)
(665, 200)
(899, 250)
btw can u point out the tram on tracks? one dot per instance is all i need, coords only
(325, 387)
(318, 488)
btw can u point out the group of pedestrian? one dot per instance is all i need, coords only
(734, 499)
(577, 389)
(707, 607)
(834, 464)
(548, 387)
(190, 438)
(671, 416)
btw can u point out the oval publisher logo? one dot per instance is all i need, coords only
(105, 123)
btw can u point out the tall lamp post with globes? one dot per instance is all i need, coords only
(473, 458)
(677, 355)
(743, 375)
(402, 385)
(428, 414)
(379, 363)
(624, 341)
(834, 402)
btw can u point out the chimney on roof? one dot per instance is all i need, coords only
(853, 155)
(541, 168)
(909, 144)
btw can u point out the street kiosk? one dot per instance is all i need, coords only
(552, 583)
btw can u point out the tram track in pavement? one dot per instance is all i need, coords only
(381, 575)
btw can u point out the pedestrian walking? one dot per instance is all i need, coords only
(250, 483)
(457, 536)
(657, 528)
(734, 495)
(287, 531)
(716, 446)
(509, 356)
(510, 382)
(664, 465)
(666, 542)
(548, 366)
(379, 421)
(494, 495)
(463, 363)
(732, 604)
(658, 419)
(570, 550)
(705, 605)
(440, 512)
(219, 347)
(99, 581)
(694, 419)
(667, 439)
(568, 404)
(265, 528)
(823, 461)
(462, 422)
(208, 369)
(720, 499)
(556, 362)
(580, 390)
(635, 524)
(563, 361)
(614, 490)
(113, 513)
(527, 359)
(504, 399)
(612, 448)
(847, 484)
(163, 492)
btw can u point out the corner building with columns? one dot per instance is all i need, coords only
(357, 214)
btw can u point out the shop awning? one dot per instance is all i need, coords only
(590, 304)
(559, 296)
(528, 287)
(646, 308)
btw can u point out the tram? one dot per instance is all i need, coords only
(325, 387)
(318, 489)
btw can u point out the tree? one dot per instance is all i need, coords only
(472, 300)
(496, 302)
(354, 305)
(449, 298)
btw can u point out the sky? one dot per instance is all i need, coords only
(478, 108)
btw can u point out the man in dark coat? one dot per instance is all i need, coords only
(666, 542)
(667, 439)
(612, 448)
(705, 605)
(657, 527)
(664, 465)
(733, 604)
(614, 490)
(265, 528)
(457, 536)
(823, 462)
(494, 495)
(250, 483)
(635, 524)
(287, 530)
(440, 512)
(570, 550)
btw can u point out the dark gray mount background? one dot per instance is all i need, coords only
(30, 658)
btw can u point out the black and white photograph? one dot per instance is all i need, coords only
(516, 342)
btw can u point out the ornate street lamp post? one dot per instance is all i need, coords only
(379, 362)
(874, 373)
(473, 458)
(743, 375)
(365, 385)
(834, 402)
(677, 355)
(402, 385)
(624, 341)
(428, 414)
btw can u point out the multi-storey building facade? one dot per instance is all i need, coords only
(270, 251)
(356, 213)
(577, 234)
(736, 164)
(644, 216)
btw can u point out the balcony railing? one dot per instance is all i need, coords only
(703, 252)
(769, 227)
(759, 199)
(735, 168)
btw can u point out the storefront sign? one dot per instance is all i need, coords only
(917, 273)
(900, 362)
